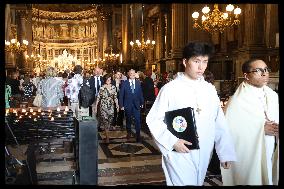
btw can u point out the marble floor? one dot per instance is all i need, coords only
(120, 162)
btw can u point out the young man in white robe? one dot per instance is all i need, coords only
(253, 116)
(189, 89)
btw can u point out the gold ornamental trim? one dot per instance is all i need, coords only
(64, 15)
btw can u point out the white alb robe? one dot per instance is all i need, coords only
(190, 168)
(257, 161)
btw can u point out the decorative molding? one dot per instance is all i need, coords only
(64, 15)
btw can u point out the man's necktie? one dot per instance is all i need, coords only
(98, 84)
(132, 86)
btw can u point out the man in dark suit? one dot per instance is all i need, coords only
(131, 100)
(96, 81)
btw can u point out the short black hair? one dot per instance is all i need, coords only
(246, 65)
(197, 48)
(78, 69)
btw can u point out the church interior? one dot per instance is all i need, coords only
(119, 37)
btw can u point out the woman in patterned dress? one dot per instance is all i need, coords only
(28, 87)
(107, 101)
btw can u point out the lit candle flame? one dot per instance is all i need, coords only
(66, 108)
(65, 112)
(39, 110)
(52, 119)
(31, 110)
(23, 110)
(59, 115)
(35, 119)
(58, 109)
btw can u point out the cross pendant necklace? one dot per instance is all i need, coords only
(198, 110)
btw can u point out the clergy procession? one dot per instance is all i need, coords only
(243, 134)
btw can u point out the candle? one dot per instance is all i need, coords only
(14, 111)
(39, 110)
(30, 116)
(7, 111)
(23, 110)
(66, 108)
(26, 113)
(64, 112)
(20, 116)
(31, 110)
(58, 109)
(34, 113)
(42, 113)
(59, 115)
(35, 119)
(52, 119)
(49, 115)
(49, 110)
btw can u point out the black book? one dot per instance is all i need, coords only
(181, 123)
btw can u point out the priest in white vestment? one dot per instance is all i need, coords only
(252, 114)
(189, 89)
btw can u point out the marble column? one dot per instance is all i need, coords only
(254, 24)
(136, 27)
(168, 23)
(253, 35)
(100, 38)
(29, 37)
(21, 16)
(105, 38)
(161, 36)
(179, 32)
(125, 32)
(7, 21)
(179, 29)
(9, 58)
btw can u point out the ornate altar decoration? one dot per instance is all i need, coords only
(65, 61)
(72, 27)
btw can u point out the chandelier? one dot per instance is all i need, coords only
(15, 46)
(33, 58)
(65, 61)
(111, 54)
(217, 21)
(143, 45)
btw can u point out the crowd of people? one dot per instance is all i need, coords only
(94, 93)
(244, 134)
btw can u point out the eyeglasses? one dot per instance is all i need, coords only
(260, 71)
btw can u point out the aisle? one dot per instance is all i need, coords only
(120, 162)
(130, 163)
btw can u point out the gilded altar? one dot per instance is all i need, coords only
(61, 36)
